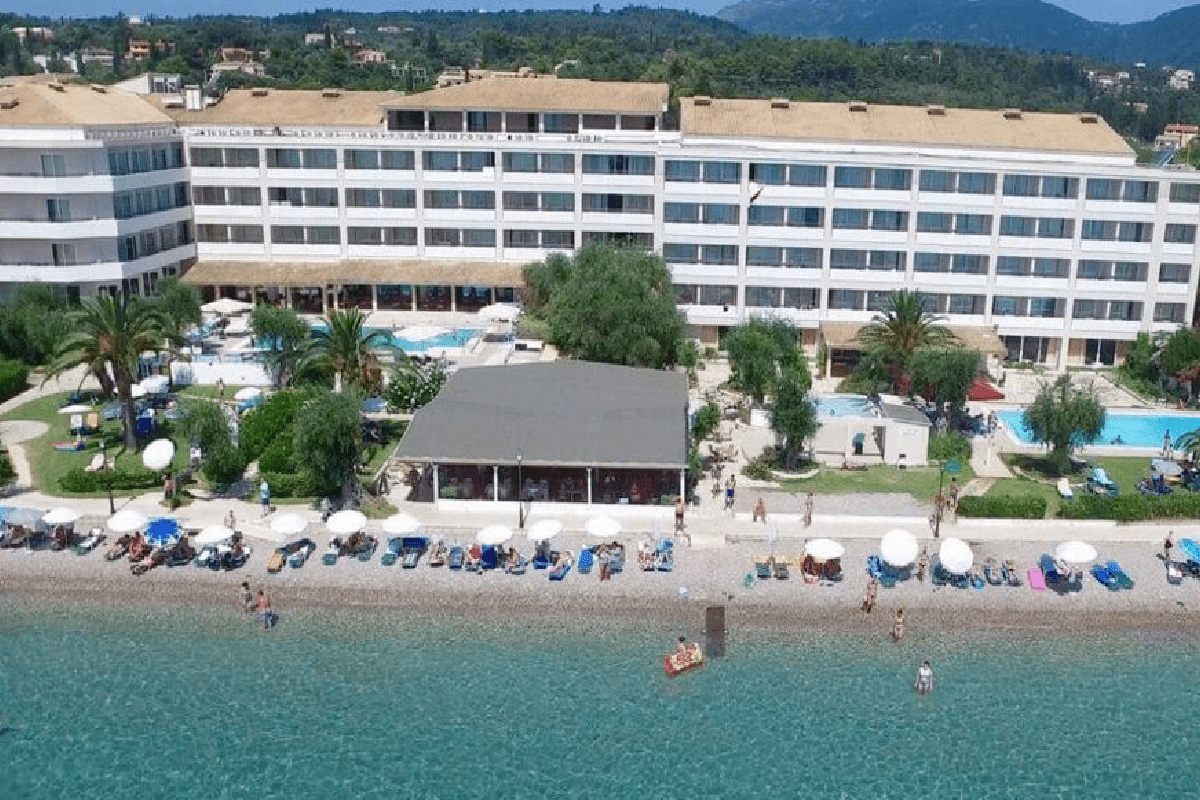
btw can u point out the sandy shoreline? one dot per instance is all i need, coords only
(701, 578)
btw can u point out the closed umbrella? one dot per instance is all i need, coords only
(126, 520)
(602, 527)
(226, 306)
(544, 530)
(60, 516)
(401, 525)
(213, 534)
(288, 524)
(162, 532)
(75, 408)
(956, 556)
(348, 521)
(824, 549)
(494, 534)
(1075, 552)
(158, 454)
(898, 548)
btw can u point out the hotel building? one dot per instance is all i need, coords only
(1038, 229)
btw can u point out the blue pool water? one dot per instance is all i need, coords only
(455, 338)
(147, 702)
(1134, 430)
(842, 405)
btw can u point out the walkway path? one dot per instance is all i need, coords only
(985, 458)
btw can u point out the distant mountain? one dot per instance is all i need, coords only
(1025, 24)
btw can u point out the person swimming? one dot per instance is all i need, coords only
(1118, 440)
(924, 682)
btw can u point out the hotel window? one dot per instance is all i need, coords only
(851, 218)
(852, 177)
(806, 175)
(441, 198)
(682, 171)
(139, 161)
(478, 200)
(618, 165)
(560, 123)
(285, 196)
(520, 162)
(1051, 267)
(1140, 192)
(118, 162)
(722, 172)
(1055, 228)
(558, 240)
(440, 160)
(687, 294)
(53, 165)
(1174, 273)
(976, 183)
(883, 220)
(241, 157)
(1092, 270)
(520, 201)
(320, 159)
(520, 238)
(473, 161)
(685, 213)
(846, 299)
(159, 158)
(1012, 265)
(720, 214)
(244, 196)
(965, 304)
(1179, 233)
(1088, 309)
(446, 121)
(757, 256)
(400, 237)
(1135, 231)
(769, 174)
(933, 180)
(1003, 306)
(637, 122)
(558, 162)
(931, 262)
(969, 264)
(1185, 192)
(1103, 189)
(675, 253)
(442, 237)
(208, 195)
(1056, 186)
(893, 179)
(123, 205)
(405, 120)
(397, 159)
(599, 122)
(483, 121)
(802, 257)
(201, 157)
(763, 296)
(618, 203)
(1169, 312)
(1134, 271)
(324, 234)
(640, 241)
(973, 224)
(1020, 185)
(322, 197)
(802, 298)
(521, 122)
(1125, 310)
(717, 295)
(207, 233)
(246, 234)
(719, 254)
(766, 215)
(364, 236)
(287, 234)
(1099, 230)
(399, 198)
(1018, 226)
(362, 159)
(558, 201)
(362, 198)
(283, 158)
(805, 217)
(934, 222)
(878, 300)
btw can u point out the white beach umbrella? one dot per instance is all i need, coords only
(155, 384)
(60, 516)
(602, 527)
(348, 521)
(824, 549)
(401, 525)
(226, 306)
(75, 408)
(898, 548)
(137, 390)
(126, 520)
(544, 530)
(288, 524)
(1075, 552)
(213, 534)
(158, 454)
(499, 312)
(248, 393)
(494, 534)
(956, 556)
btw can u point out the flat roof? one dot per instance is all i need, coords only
(844, 336)
(350, 272)
(542, 94)
(557, 413)
(888, 124)
(906, 414)
(337, 108)
(42, 105)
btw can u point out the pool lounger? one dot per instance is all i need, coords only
(392, 553)
(1036, 580)
(762, 566)
(456, 557)
(1123, 580)
(1105, 578)
(331, 555)
(562, 568)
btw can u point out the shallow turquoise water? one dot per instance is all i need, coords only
(842, 405)
(97, 704)
(1134, 430)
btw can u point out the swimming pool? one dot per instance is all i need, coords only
(421, 338)
(1121, 428)
(842, 405)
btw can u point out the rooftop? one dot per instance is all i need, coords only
(917, 125)
(554, 413)
(50, 105)
(542, 94)
(333, 108)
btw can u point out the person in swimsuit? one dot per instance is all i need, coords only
(924, 681)
(868, 602)
(264, 609)
(247, 598)
(898, 626)
(681, 646)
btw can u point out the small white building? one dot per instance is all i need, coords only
(1182, 79)
(892, 434)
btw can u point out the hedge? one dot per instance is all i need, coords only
(1002, 506)
(14, 379)
(288, 484)
(265, 424)
(76, 480)
(1180, 504)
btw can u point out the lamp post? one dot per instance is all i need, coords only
(520, 500)
(112, 507)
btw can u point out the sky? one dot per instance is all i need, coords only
(1103, 10)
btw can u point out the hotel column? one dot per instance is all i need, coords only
(683, 484)
(496, 483)
(435, 483)
(589, 485)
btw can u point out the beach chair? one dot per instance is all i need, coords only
(90, 542)
(586, 559)
(1055, 578)
(646, 556)
(92, 424)
(762, 566)
(366, 548)
(457, 556)
(331, 553)
(394, 548)
(301, 554)
(561, 567)
(489, 558)
(664, 556)
(1064, 489)
(1123, 580)
(875, 567)
(517, 567)
(616, 559)
(1037, 581)
(541, 557)
(779, 568)
(206, 556)
(1008, 571)
(411, 549)
(143, 427)
(1105, 578)
(437, 554)
(277, 560)
(96, 464)
(992, 572)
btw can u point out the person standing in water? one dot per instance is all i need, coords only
(924, 682)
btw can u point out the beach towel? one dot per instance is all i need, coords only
(1037, 581)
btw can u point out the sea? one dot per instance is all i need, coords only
(177, 701)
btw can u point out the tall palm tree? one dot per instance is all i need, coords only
(349, 350)
(109, 334)
(903, 327)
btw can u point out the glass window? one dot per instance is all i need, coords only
(1179, 233)
(882, 220)
(1099, 230)
(1044, 307)
(362, 159)
(769, 174)
(893, 179)
(681, 212)
(763, 296)
(847, 259)
(618, 165)
(599, 122)
(805, 216)
(244, 196)
(324, 234)
(1174, 273)
(558, 240)
(371, 236)
(473, 161)
(1051, 267)
(969, 264)
(139, 160)
(1185, 192)
(931, 262)
(560, 123)
(1092, 270)
(722, 172)
(1055, 228)
(681, 253)
(399, 198)
(483, 121)
(321, 196)
(766, 215)
(1125, 310)
(558, 162)
(204, 233)
(806, 175)
(637, 122)
(1004, 306)
(683, 171)
(441, 160)
(1060, 187)
(521, 201)
(802, 257)
(362, 198)
(1135, 231)
(520, 238)
(1140, 192)
(241, 156)
(757, 256)
(846, 299)
(123, 205)
(802, 298)
(478, 199)
(718, 254)
(118, 162)
(852, 218)
(933, 180)
(718, 295)
(1169, 312)
(201, 157)
(973, 224)
(441, 198)
(1088, 309)
(886, 260)
(720, 214)
(558, 201)
(520, 162)
(400, 237)
(934, 222)
(1130, 270)
(1020, 185)
(1103, 189)
(965, 304)
(246, 234)
(397, 159)
(852, 177)
(207, 196)
(878, 300)
(287, 234)
(976, 183)
(442, 237)
(1018, 226)
(320, 159)
(1012, 265)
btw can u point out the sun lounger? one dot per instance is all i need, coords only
(411, 549)
(1036, 581)
(1123, 580)
(394, 548)
(90, 542)
(1104, 577)
(1009, 572)
(457, 557)
(616, 559)
(437, 554)
(206, 556)
(992, 572)
(331, 553)
(277, 560)
(1174, 573)
(366, 548)
(301, 554)
(586, 559)
(489, 558)
(664, 555)
(1064, 489)
(518, 567)
(779, 568)
(96, 464)
(561, 567)
(978, 579)
(762, 566)
(70, 447)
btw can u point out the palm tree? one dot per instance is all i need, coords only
(1189, 442)
(180, 307)
(109, 334)
(902, 328)
(348, 349)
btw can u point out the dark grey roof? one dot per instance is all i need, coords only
(905, 414)
(558, 412)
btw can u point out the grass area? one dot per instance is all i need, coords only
(1021, 487)
(1039, 479)
(920, 482)
(48, 464)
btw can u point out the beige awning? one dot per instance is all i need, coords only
(353, 272)
(844, 336)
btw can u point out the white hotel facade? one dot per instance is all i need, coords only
(1038, 228)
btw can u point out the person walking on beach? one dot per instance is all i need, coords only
(922, 566)
(868, 602)
(679, 507)
(264, 609)
(898, 626)
(231, 521)
(1167, 545)
(264, 496)
(729, 488)
(808, 509)
(760, 511)
(247, 598)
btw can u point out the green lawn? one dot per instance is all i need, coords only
(1126, 471)
(48, 464)
(920, 482)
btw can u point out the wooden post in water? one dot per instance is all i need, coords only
(714, 631)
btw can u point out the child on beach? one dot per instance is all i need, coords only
(729, 487)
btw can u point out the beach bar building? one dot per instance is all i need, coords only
(553, 432)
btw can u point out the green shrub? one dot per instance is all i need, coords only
(123, 478)
(951, 446)
(1002, 506)
(1180, 504)
(268, 422)
(14, 379)
(759, 469)
(289, 484)
(224, 465)
(707, 419)
(8, 474)
(278, 456)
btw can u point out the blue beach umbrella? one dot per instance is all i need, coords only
(1190, 548)
(162, 532)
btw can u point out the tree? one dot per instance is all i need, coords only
(347, 349)
(109, 334)
(180, 307)
(287, 340)
(944, 374)
(327, 441)
(899, 331)
(32, 322)
(793, 415)
(1189, 443)
(1064, 416)
(608, 304)
(1179, 355)
(413, 386)
(760, 352)
(204, 423)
